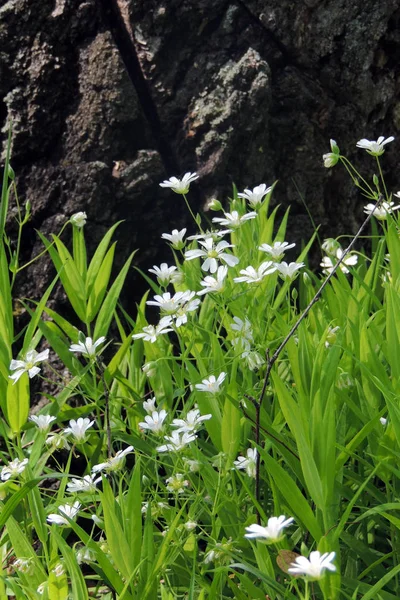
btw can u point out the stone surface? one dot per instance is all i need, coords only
(109, 97)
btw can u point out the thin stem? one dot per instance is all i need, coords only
(106, 410)
(191, 212)
(382, 178)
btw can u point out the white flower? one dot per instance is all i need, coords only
(43, 422)
(13, 469)
(25, 565)
(42, 587)
(58, 441)
(214, 235)
(212, 255)
(381, 212)
(277, 250)
(328, 264)
(313, 567)
(244, 336)
(189, 306)
(272, 532)
(233, 220)
(251, 275)
(163, 273)
(256, 196)
(78, 428)
(169, 304)
(331, 158)
(211, 384)
(191, 423)
(150, 333)
(79, 219)
(149, 369)
(190, 525)
(243, 328)
(213, 285)
(157, 508)
(58, 570)
(67, 510)
(88, 347)
(115, 463)
(177, 483)
(85, 555)
(249, 463)
(374, 148)
(155, 422)
(175, 238)
(176, 441)
(254, 360)
(331, 336)
(32, 358)
(288, 271)
(150, 405)
(86, 484)
(180, 186)
(194, 465)
(330, 246)
(383, 421)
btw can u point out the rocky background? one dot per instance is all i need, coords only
(110, 97)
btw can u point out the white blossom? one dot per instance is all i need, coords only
(331, 158)
(251, 275)
(79, 219)
(164, 273)
(272, 532)
(374, 148)
(213, 285)
(13, 469)
(211, 385)
(150, 333)
(382, 211)
(114, 463)
(78, 428)
(288, 271)
(67, 510)
(256, 196)
(254, 360)
(85, 555)
(176, 441)
(177, 483)
(233, 220)
(383, 421)
(150, 405)
(88, 347)
(57, 441)
(328, 264)
(28, 364)
(190, 525)
(180, 186)
(277, 250)
(175, 238)
(314, 566)
(42, 422)
(192, 421)
(85, 484)
(212, 255)
(189, 306)
(24, 565)
(249, 463)
(155, 422)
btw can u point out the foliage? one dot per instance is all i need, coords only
(139, 477)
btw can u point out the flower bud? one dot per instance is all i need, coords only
(214, 205)
(79, 219)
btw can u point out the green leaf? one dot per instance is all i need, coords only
(107, 310)
(79, 588)
(18, 402)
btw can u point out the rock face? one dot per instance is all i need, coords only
(109, 97)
